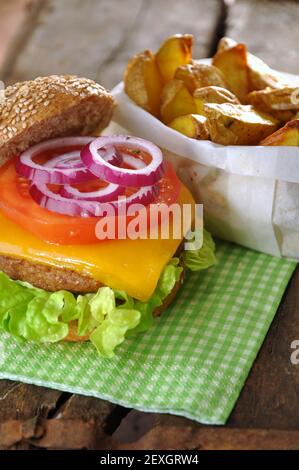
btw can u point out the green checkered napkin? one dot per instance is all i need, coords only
(193, 361)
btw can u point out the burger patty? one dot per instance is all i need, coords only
(51, 278)
(54, 279)
(46, 277)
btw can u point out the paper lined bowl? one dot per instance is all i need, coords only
(250, 193)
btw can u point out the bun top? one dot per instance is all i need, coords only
(49, 107)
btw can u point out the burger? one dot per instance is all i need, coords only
(68, 197)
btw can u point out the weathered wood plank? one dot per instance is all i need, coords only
(269, 28)
(189, 437)
(75, 37)
(50, 434)
(23, 401)
(23, 404)
(96, 38)
(86, 408)
(105, 416)
(31, 415)
(199, 18)
(16, 20)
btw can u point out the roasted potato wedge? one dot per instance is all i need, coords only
(233, 64)
(174, 52)
(197, 75)
(282, 103)
(286, 136)
(176, 100)
(143, 83)
(213, 94)
(261, 75)
(191, 125)
(234, 124)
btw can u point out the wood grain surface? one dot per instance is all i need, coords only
(95, 38)
(17, 18)
(269, 28)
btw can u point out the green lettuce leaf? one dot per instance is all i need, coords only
(109, 316)
(112, 331)
(202, 258)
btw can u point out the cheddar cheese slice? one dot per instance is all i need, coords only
(130, 265)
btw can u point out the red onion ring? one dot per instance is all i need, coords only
(36, 173)
(133, 161)
(54, 202)
(65, 161)
(112, 155)
(72, 202)
(73, 160)
(93, 156)
(108, 193)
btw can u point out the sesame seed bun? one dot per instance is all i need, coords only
(50, 107)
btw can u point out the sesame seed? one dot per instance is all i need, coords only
(24, 100)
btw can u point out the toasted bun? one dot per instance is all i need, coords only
(49, 107)
(73, 336)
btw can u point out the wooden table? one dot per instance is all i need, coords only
(95, 38)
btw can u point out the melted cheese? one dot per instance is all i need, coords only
(130, 265)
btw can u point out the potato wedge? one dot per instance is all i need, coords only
(286, 136)
(281, 99)
(191, 125)
(197, 75)
(174, 52)
(235, 124)
(282, 103)
(213, 94)
(261, 75)
(233, 64)
(143, 83)
(176, 100)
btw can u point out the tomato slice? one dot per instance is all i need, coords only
(17, 204)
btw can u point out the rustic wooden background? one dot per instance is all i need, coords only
(95, 38)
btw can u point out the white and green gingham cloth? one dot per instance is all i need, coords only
(194, 360)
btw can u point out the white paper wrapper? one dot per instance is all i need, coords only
(250, 193)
